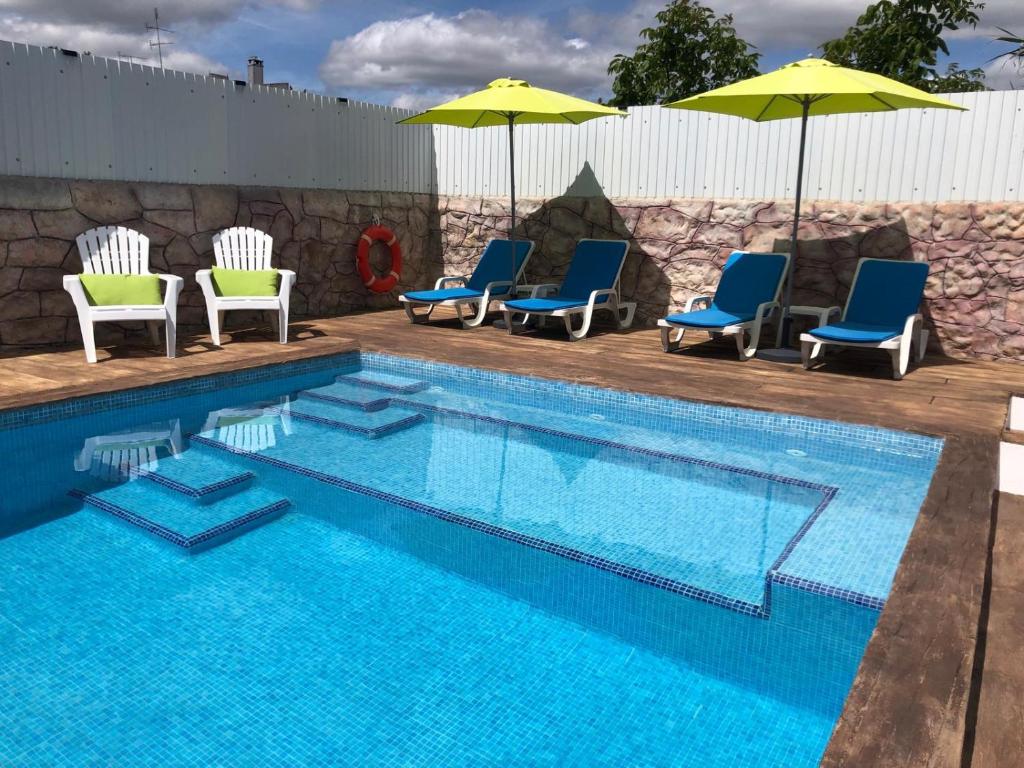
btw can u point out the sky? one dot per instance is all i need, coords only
(418, 53)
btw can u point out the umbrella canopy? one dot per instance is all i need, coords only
(507, 102)
(505, 99)
(804, 89)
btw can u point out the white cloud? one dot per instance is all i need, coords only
(1003, 75)
(103, 41)
(458, 53)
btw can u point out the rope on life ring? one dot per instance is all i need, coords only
(378, 234)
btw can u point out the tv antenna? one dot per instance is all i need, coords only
(158, 43)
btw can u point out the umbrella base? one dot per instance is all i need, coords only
(780, 355)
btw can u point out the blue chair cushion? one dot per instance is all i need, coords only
(856, 333)
(886, 292)
(544, 305)
(748, 280)
(443, 294)
(495, 264)
(708, 318)
(595, 266)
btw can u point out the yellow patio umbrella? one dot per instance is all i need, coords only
(511, 102)
(804, 89)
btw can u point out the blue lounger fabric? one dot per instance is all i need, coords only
(444, 294)
(708, 318)
(748, 280)
(495, 266)
(855, 333)
(595, 266)
(885, 294)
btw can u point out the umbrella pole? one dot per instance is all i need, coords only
(512, 194)
(784, 353)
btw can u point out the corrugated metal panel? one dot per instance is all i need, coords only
(911, 155)
(95, 118)
(89, 117)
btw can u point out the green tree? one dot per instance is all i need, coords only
(690, 51)
(902, 39)
(1014, 56)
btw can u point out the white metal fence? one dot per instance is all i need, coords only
(95, 118)
(89, 117)
(910, 155)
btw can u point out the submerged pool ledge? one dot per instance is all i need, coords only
(640, 575)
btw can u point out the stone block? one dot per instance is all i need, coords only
(37, 330)
(107, 202)
(215, 207)
(18, 305)
(31, 194)
(10, 277)
(15, 225)
(181, 222)
(37, 252)
(41, 279)
(64, 225)
(168, 197)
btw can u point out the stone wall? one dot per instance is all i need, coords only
(974, 297)
(315, 233)
(975, 293)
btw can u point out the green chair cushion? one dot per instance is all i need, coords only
(111, 290)
(244, 282)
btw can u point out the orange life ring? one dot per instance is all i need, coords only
(378, 234)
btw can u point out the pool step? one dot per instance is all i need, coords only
(175, 518)
(370, 424)
(353, 395)
(198, 474)
(389, 382)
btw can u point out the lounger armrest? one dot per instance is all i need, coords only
(595, 295)
(824, 314)
(492, 287)
(287, 281)
(442, 281)
(174, 286)
(544, 289)
(73, 285)
(694, 300)
(910, 325)
(765, 308)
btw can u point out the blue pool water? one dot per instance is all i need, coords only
(364, 560)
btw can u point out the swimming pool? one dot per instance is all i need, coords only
(367, 560)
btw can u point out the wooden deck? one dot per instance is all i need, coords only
(922, 695)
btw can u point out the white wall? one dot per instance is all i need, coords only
(95, 118)
(910, 155)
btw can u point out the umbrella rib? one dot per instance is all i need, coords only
(883, 101)
(766, 106)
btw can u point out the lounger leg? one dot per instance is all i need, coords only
(669, 344)
(171, 332)
(509, 326)
(282, 322)
(810, 352)
(481, 313)
(922, 344)
(88, 340)
(584, 329)
(625, 322)
(213, 317)
(740, 343)
(751, 349)
(413, 317)
(154, 331)
(899, 357)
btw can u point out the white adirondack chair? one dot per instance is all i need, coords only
(121, 251)
(245, 248)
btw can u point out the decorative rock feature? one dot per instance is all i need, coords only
(974, 298)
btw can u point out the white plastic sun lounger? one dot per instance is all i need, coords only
(748, 292)
(592, 283)
(491, 281)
